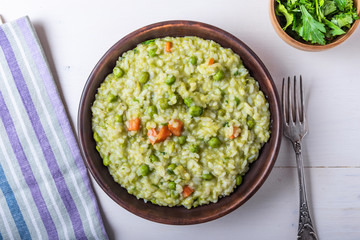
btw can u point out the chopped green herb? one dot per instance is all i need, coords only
(152, 52)
(188, 101)
(250, 122)
(147, 42)
(207, 176)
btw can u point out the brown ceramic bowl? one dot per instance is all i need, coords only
(308, 46)
(258, 171)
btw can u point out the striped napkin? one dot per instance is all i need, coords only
(45, 191)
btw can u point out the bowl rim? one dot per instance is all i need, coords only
(270, 159)
(308, 46)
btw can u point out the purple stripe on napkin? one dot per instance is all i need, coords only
(42, 138)
(25, 168)
(57, 104)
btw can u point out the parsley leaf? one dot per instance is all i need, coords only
(311, 30)
(289, 17)
(316, 21)
(342, 19)
(329, 7)
(335, 30)
(341, 4)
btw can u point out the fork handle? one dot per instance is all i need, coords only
(306, 230)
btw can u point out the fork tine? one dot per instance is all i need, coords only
(297, 101)
(302, 119)
(283, 97)
(290, 104)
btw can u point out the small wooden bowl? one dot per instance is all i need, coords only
(258, 171)
(308, 46)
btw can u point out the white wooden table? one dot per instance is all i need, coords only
(75, 34)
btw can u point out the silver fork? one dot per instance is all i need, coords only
(295, 128)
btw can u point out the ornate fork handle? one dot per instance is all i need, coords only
(306, 230)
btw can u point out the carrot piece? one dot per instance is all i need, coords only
(175, 126)
(187, 191)
(211, 61)
(134, 124)
(163, 134)
(155, 137)
(235, 134)
(152, 134)
(168, 47)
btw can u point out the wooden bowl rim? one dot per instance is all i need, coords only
(180, 215)
(307, 46)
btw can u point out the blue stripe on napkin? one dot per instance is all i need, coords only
(13, 206)
(40, 150)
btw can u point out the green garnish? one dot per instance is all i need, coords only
(147, 42)
(316, 21)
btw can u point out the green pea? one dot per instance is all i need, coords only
(152, 52)
(170, 80)
(163, 103)
(182, 140)
(170, 169)
(219, 75)
(250, 122)
(143, 170)
(111, 98)
(154, 158)
(106, 161)
(207, 176)
(193, 60)
(238, 180)
(194, 148)
(237, 100)
(118, 72)
(221, 112)
(119, 118)
(195, 111)
(172, 166)
(172, 185)
(97, 137)
(144, 77)
(152, 110)
(214, 142)
(188, 101)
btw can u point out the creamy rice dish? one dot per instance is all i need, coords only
(179, 120)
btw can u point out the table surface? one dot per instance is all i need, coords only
(75, 34)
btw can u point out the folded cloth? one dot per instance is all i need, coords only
(45, 192)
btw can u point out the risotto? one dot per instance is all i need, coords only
(179, 120)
